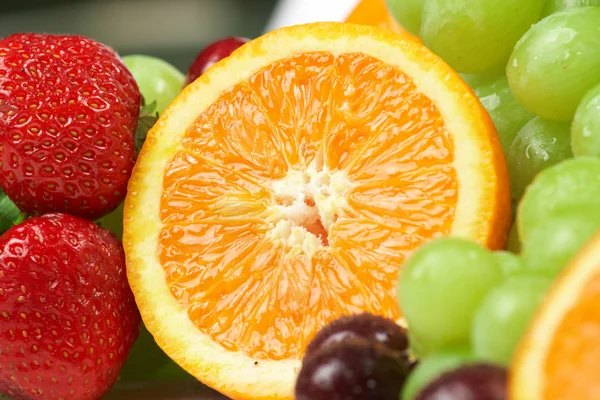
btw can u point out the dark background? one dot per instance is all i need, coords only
(171, 29)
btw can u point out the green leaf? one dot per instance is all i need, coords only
(10, 215)
(149, 109)
(147, 119)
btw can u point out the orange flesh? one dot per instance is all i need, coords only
(350, 114)
(574, 353)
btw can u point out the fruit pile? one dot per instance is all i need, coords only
(284, 189)
(534, 66)
(323, 212)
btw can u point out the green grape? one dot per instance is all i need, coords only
(508, 115)
(556, 62)
(504, 315)
(475, 36)
(510, 263)
(407, 13)
(585, 131)
(514, 243)
(417, 348)
(538, 145)
(145, 359)
(440, 288)
(474, 80)
(573, 183)
(484, 78)
(433, 366)
(158, 80)
(554, 6)
(552, 243)
(114, 222)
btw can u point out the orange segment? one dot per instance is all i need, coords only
(219, 135)
(372, 101)
(375, 12)
(196, 189)
(423, 199)
(558, 358)
(285, 188)
(297, 96)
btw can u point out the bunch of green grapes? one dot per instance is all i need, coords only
(466, 304)
(454, 293)
(534, 66)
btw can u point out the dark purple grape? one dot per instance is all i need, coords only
(470, 382)
(354, 369)
(366, 326)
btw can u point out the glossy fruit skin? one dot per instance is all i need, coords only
(69, 108)
(570, 184)
(432, 366)
(554, 6)
(510, 263)
(504, 315)
(66, 311)
(354, 369)
(373, 328)
(585, 131)
(470, 382)
(211, 55)
(508, 115)
(553, 243)
(440, 287)
(538, 145)
(407, 13)
(475, 36)
(158, 80)
(556, 62)
(482, 79)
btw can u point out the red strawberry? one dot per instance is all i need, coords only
(212, 54)
(68, 113)
(67, 315)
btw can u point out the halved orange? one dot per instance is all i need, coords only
(285, 187)
(558, 357)
(375, 12)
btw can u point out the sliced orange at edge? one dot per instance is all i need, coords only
(553, 329)
(482, 210)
